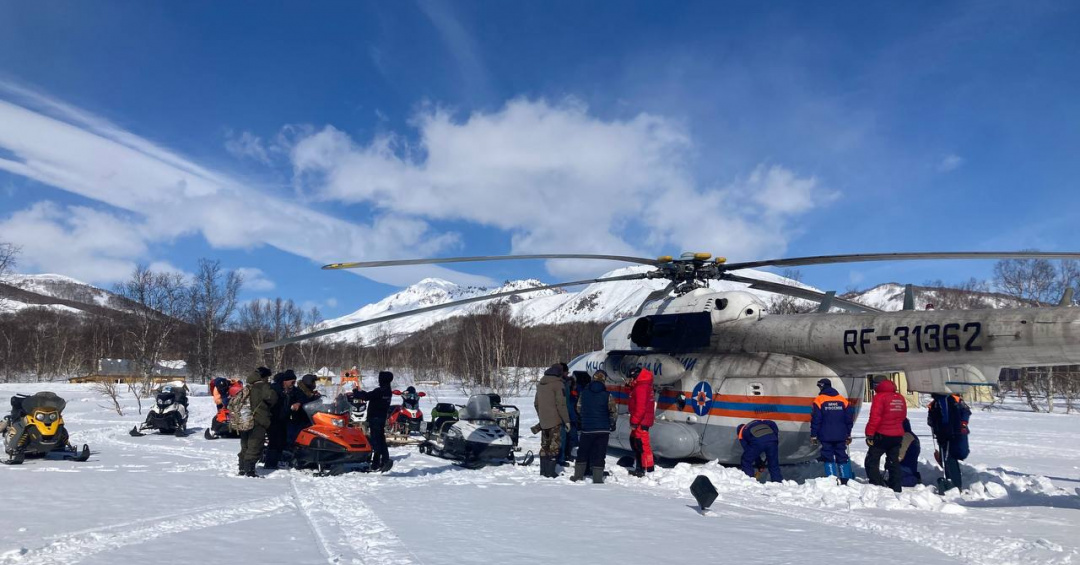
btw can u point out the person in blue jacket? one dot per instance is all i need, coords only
(759, 437)
(948, 418)
(831, 420)
(909, 457)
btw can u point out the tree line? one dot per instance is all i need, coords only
(199, 320)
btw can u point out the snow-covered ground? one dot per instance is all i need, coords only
(170, 500)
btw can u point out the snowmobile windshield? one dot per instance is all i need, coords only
(43, 401)
(326, 405)
(478, 408)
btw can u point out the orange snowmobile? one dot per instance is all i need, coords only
(329, 445)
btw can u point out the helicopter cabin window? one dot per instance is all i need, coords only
(673, 332)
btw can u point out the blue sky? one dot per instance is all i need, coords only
(279, 136)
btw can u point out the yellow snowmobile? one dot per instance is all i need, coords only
(35, 428)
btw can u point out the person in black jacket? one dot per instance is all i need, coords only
(597, 420)
(303, 393)
(277, 435)
(378, 407)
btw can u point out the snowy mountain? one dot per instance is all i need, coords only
(890, 297)
(55, 292)
(598, 302)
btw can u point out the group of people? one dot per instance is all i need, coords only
(277, 408)
(580, 411)
(277, 413)
(888, 434)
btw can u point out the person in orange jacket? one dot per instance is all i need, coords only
(642, 416)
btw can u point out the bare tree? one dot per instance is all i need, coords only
(109, 390)
(1036, 281)
(211, 304)
(158, 301)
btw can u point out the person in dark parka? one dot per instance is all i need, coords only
(948, 420)
(303, 393)
(831, 420)
(277, 435)
(550, 404)
(262, 399)
(759, 437)
(378, 408)
(909, 457)
(597, 420)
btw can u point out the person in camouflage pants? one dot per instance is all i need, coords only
(550, 404)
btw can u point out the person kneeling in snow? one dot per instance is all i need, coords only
(759, 437)
(831, 419)
(909, 457)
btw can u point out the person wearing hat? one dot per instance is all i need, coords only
(284, 385)
(642, 404)
(597, 421)
(303, 393)
(831, 420)
(378, 408)
(550, 404)
(262, 399)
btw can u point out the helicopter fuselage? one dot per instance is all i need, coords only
(720, 361)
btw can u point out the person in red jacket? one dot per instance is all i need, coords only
(642, 416)
(885, 434)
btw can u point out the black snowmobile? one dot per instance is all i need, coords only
(168, 415)
(469, 434)
(35, 428)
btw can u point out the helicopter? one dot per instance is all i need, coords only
(720, 359)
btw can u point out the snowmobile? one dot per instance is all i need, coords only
(469, 435)
(35, 428)
(330, 445)
(168, 415)
(405, 419)
(508, 417)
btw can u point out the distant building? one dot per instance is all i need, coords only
(124, 370)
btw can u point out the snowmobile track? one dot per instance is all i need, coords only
(334, 510)
(75, 547)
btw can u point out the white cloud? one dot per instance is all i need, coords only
(246, 145)
(87, 244)
(950, 163)
(255, 279)
(560, 180)
(168, 196)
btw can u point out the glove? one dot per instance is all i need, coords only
(870, 442)
(847, 441)
(814, 442)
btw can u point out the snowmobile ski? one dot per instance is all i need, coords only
(78, 455)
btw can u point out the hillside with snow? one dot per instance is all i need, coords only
(55, 292)
(598, 302)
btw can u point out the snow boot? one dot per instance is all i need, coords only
(845, 473)
(579, 471)
(598, 475)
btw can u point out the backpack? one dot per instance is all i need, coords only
(241, 416)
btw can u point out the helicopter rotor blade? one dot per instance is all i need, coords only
(797, 292)
(440, 260)
(868, 257)
(372, 321)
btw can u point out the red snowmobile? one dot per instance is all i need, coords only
(406, 418)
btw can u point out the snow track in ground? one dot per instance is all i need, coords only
(76, 547)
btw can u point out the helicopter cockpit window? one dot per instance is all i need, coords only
(673, 332)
